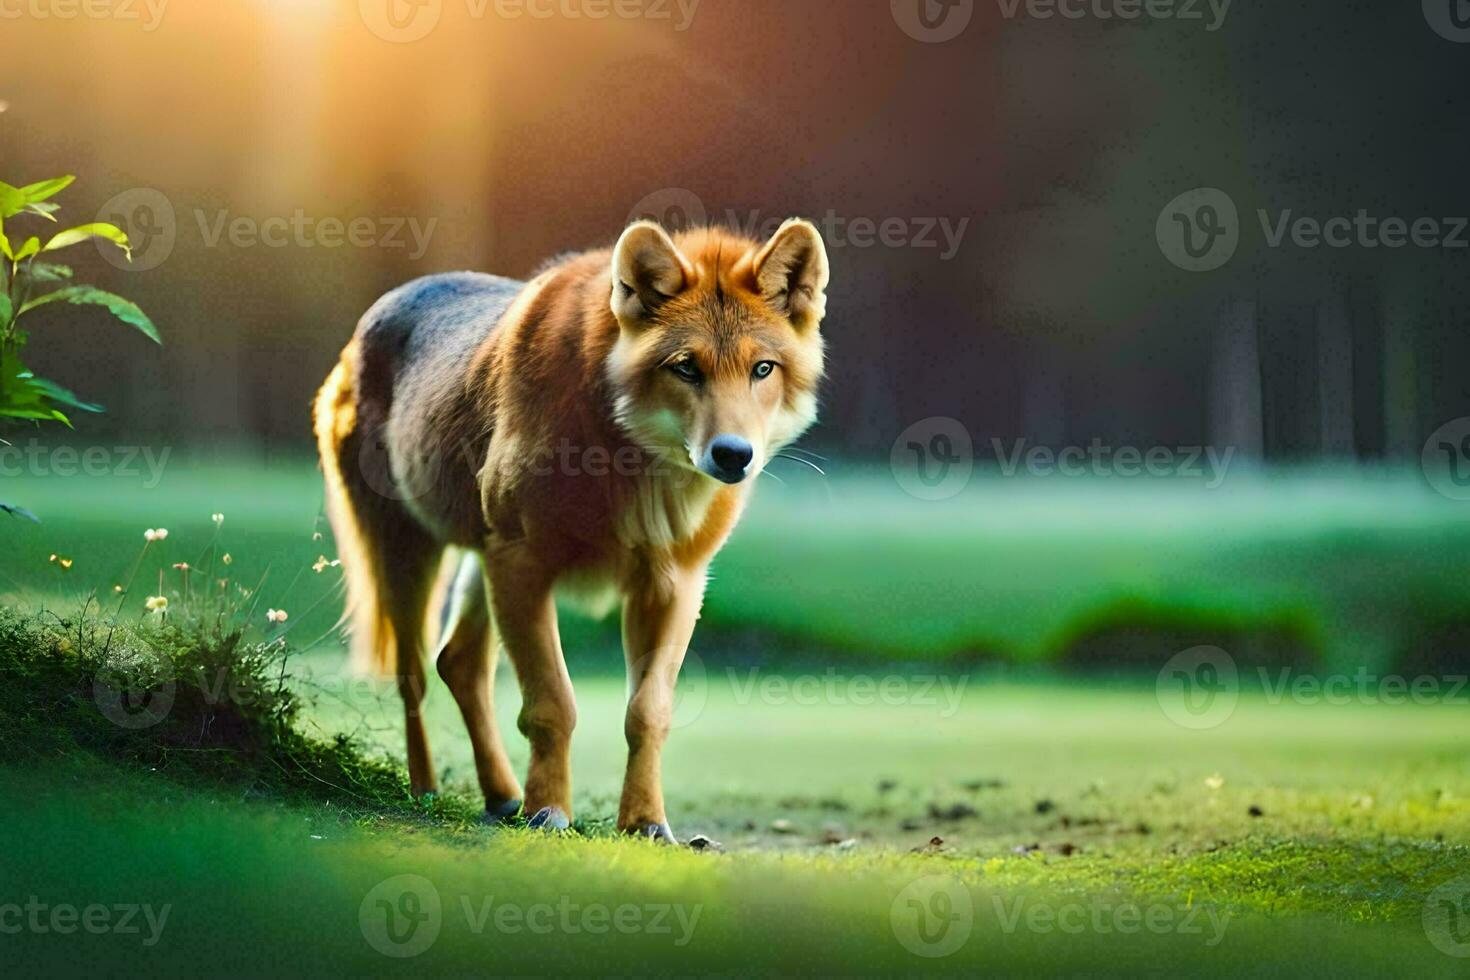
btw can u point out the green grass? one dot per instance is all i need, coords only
(192, 698)
(1316, 833)
(1366, 809)
(253, 890)
(1106, 759)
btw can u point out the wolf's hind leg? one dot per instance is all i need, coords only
(387, 558)
(466, 662)
(406, 584)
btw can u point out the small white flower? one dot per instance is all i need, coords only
(157, 603)
(276, 615)
(227, 559)
(217, 518)
(155, 534)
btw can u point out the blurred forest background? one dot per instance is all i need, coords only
(1045, 147)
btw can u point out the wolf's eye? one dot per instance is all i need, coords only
(763, 369)
(686, 371)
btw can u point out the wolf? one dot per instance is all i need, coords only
(490, 444)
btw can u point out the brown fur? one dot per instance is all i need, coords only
(550, 438)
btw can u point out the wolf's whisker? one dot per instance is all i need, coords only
(798, 449)
(804, 462)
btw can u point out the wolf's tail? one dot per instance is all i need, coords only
(335, 416)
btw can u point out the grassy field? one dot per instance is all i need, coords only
(1049, 801)
(1345, 568)
(885, 804)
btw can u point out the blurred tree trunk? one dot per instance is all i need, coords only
(1235, 389)
(1403, 316)
(1335, 375)
(1367, 328)
(1289, 371)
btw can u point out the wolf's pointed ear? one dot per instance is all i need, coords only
(646, 271)
(791, 272)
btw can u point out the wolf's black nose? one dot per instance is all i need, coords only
(729, 456)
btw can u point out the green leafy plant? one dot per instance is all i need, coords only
(30, 281)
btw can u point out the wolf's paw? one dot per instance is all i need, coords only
(501, 813)
(549, 818)
(660, 833)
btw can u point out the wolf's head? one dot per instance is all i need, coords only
(719, 352)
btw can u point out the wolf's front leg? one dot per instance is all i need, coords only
(525, 616)
(658, 621)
